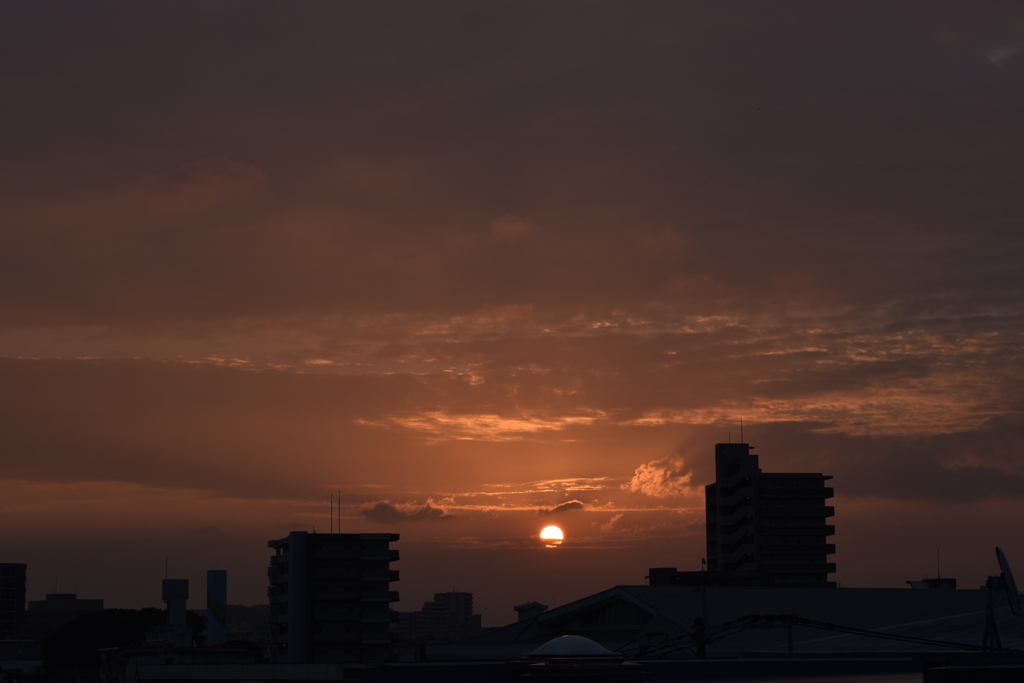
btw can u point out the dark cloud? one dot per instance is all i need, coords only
(385, 512)
(839, 167)
(567, 506)
(964, 466)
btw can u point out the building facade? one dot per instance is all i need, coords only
(329, 597)
(769, 528)
(438, 618)
(12, 598)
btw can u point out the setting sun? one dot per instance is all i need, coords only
(551, 535)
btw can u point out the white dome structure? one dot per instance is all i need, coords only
(571, 646)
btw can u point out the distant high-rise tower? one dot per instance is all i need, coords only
(12, 598)
(768, 524)
(216, 606)
(329, 597)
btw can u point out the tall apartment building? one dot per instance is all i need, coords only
(12, 598)
(329, 597)
(768, 527)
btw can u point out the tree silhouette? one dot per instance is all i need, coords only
(77, 643)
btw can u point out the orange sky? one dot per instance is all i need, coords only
(481, 268)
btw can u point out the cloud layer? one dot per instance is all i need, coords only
(466, 263)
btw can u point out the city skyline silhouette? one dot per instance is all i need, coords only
(462, 272)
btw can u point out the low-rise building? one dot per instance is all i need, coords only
(43, 617)
(663, 619)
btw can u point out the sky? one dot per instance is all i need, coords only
(475, 268)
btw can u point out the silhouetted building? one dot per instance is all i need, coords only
(529, 610)
(440, 619)
(20, 656)
(12, 598)
(216, 606)
(46, 616)
(660, 620)
(248, 624)
(765, 528)
(670, 576)
(176, 633)
(329, 597)
(938, 583)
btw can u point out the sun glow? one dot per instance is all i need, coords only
(552, 536)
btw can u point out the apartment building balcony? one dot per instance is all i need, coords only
(797, 548)
(798, 511)
(797, 530)
(782, 492)
(379, 554)
(799, 567)
(379, 596)
(376, 618)
(379, 575)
